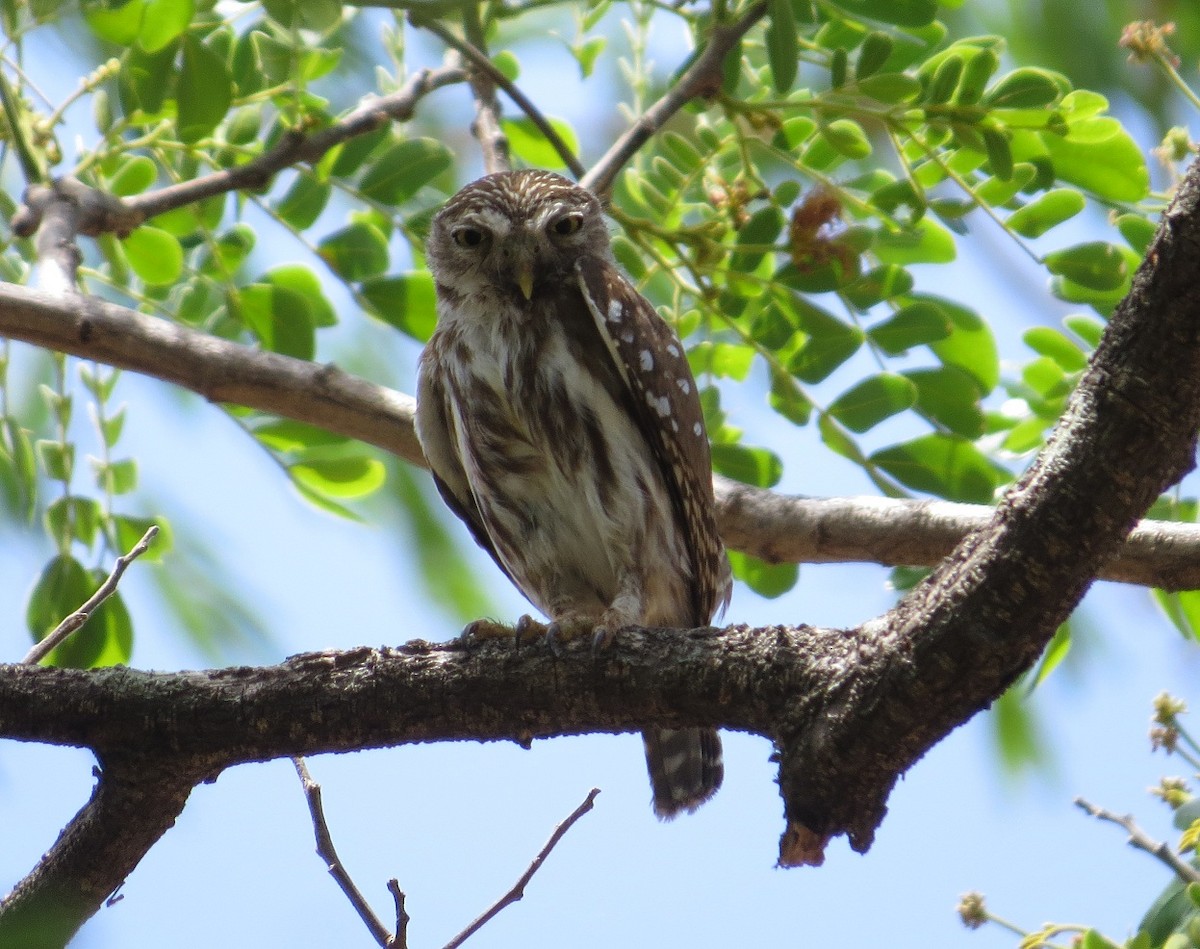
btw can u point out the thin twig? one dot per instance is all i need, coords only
(293, 148)
(486, 128)
(480, 62)
(402, 917)
(81, 615)
(1139, 839)
(327, 852)
(518, 889)
(702, 78)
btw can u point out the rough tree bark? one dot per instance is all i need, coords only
(850, 710)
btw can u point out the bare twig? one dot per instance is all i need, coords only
(83, 614)
(518, 889)
(402, 917)
(1138, 838)
(701, 78)
(775, 527)
(333, 863)
(486, 127)
(482, 64)
(293, 148)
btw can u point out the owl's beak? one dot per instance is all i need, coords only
(525, 279)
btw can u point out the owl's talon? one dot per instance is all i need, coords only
(555, 637)
(602, 638)
(528, 630)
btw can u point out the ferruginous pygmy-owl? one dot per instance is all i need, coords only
(562, 423)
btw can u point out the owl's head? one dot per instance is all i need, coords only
(515, 233)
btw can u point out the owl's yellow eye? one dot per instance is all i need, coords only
(468, 237)
(567, 224)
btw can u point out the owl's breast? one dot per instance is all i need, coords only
(564, 480)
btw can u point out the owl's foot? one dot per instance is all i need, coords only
(526, 630)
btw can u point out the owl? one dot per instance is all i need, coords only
(561, 421)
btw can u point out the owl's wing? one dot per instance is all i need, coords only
(654, 367)
(435, 431)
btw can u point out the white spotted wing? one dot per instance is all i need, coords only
(654, 366)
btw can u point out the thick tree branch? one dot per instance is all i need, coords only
(702, 78)
(100, 213)
(987, 612)
(135, 801)
(775, 527)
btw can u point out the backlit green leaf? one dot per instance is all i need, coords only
(345, 478)
(1097, 265)
(403, 169)
(1049, 210)
(766, 579)
(947, 466)
(871, 401)
(154, 255)
(406, 301)
(203, 93)
(356, 252)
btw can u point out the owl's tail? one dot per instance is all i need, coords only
(685, 766)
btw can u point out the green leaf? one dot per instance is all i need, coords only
(766, 579)
(925, 242)
(1137, 231)
(356, 252)
(847, 137)
(944, 465)
(783, 50)
(280, 317)
(1113, 168)
(723, 360)
(890, 87)
(1055, 652)
(164, 21)
(910, 13)
(755, 466)
(527, 141)
(1047, 341)
(146, 79)
(346, 478)
(301, 280)
(1182, 609)
(73, 517)
(1017, 735)
(304, 201)
(999, 153)
(882, 283)
(1097, 265)
(950, 397)
(58, 460)
(117, 477)
(403, 169)
(874, 399)
(135, 175)
(788, 399)
(203, 93)
(830, 343)
(1048, 211)
(1026, 88)
(287, 435)
(406, 301)
(874, 52)
(154, 255)
(977, 70)
(916, 324)
(351, 155)
(762, 229)
(116, 24)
